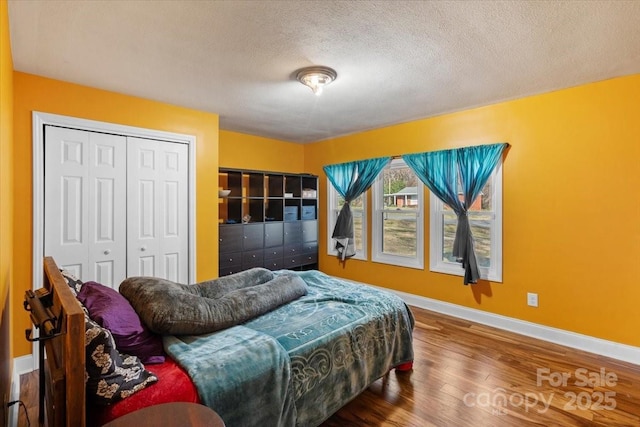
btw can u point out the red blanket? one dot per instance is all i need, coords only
(174, 385)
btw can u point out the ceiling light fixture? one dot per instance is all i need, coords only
(316, 77)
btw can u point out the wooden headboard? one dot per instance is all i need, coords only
(64, 366)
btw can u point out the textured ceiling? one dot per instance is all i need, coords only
(396, 61)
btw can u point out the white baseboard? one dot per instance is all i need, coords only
(14, 395)
(587, 343)
(23, 365)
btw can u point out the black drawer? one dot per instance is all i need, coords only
(227, 260)
(230, 238)
(251, 259)
(292, 261)
(310, 247)
(275, 252)
(293, 249)
(309, 231)
(253, 237)
(274, 263)
(309, 259)
(273, 235)
(292, 232)
(228, 271)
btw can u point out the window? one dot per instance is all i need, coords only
(397, 218)
(359, 211)
(485, 217)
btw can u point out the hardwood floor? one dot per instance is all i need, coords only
(466, 374)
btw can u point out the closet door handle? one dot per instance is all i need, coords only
(143, 248)
(107, 251)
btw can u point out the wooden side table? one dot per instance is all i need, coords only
(175, 414)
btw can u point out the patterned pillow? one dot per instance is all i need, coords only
(74, 283)
(109, 375)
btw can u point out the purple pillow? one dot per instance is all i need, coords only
(112, 311)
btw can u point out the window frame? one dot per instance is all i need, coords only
(332, 207)
(437, 263)
(377, 223)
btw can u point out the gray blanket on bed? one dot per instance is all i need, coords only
(298, 364)
(171, 308)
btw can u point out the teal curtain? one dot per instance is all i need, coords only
(351, 180)
(441, 171)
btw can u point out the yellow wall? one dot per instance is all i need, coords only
(33, 93)
(571, 206)
(571, 229)
(242, 151)
(6, 160)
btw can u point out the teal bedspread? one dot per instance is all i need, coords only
(298, 364)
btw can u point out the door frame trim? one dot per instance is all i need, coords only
(39, 120)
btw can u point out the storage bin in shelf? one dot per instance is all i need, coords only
(308, 212)
(290, 213)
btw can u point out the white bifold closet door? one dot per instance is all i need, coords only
(85, 181)
(157, 198)
(115, 206)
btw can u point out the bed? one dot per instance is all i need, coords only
(294, 365)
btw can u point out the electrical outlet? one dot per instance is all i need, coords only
(532, 299)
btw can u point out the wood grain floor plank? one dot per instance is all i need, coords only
(467, 374)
